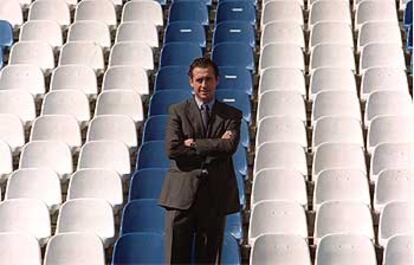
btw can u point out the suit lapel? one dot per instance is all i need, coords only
(194, 117)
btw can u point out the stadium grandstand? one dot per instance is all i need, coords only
(325, 165)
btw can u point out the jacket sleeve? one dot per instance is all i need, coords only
(174, 138)
(216, 147)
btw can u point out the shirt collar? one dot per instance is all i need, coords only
(199, 103)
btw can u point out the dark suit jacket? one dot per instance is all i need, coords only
(210, 153)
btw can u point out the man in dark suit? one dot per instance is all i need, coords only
(200, 187)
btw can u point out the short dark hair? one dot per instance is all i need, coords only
(203, 62)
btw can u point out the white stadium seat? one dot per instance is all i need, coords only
(281, 103)
(282, 11)
(54, 155)
(279, 184)
(374, 10)
(25, 77)
(393, 185)
(99, 10)
(91, 31)
(55, 10)
(84, 53)
(379, 32)
(281, 129)
(329, 11)
(396, 218)
(281, 155)
(33, 52)
(74, 248)
(19, 103)
(341, 185)
(332, 56)
(12, 132)
(277, 217)
(282, 79)
(120, 102)
(87, 215)
(383, 78)
(337, 156)
(47, 31)
(270, 249)
(6, 162)
(282, 32)
(107, 154)
(345, 249)
(29, 216)
(336, 103)
(138, 31)
(132, 53)
(35, 183)
(11, 11)
(126, 77)
(76, 77)
(113, 127)
(19, 248)
(381, 55)
(327, 32)
(343, 217)
(96, 183)
(337, 130)
(387, 103)
(327, 78)
(144, 11)
(390, 129)
(62, 128)
(67, 102)
(282, 55)
(391, 156)
(399, 250)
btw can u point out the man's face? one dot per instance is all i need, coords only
(204, 82)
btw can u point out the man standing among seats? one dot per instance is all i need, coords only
(200, 188)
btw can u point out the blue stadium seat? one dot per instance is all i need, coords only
(234, 54)
(143, 215)
(154, 128)
(195, 11)
(244, 134)
(139, 248)
(179, 53)
(6, 35)
(152, 155)
(236, 11)
(240, 185)
(234, 31)
(254, 2)
(234, 225)
(230, 251)
(146, 183)
(236, 78)
(408, 15)
(172, 77)
(206, 2)
(161, 100)
(240, 160)
(237, 99)
(410, 39)
(186, 31)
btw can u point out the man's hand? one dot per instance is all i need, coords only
(227, 135)
(189, 142)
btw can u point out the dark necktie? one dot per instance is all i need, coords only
(205, 116)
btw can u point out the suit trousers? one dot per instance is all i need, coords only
(197, 230)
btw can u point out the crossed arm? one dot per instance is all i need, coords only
(179, 146)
